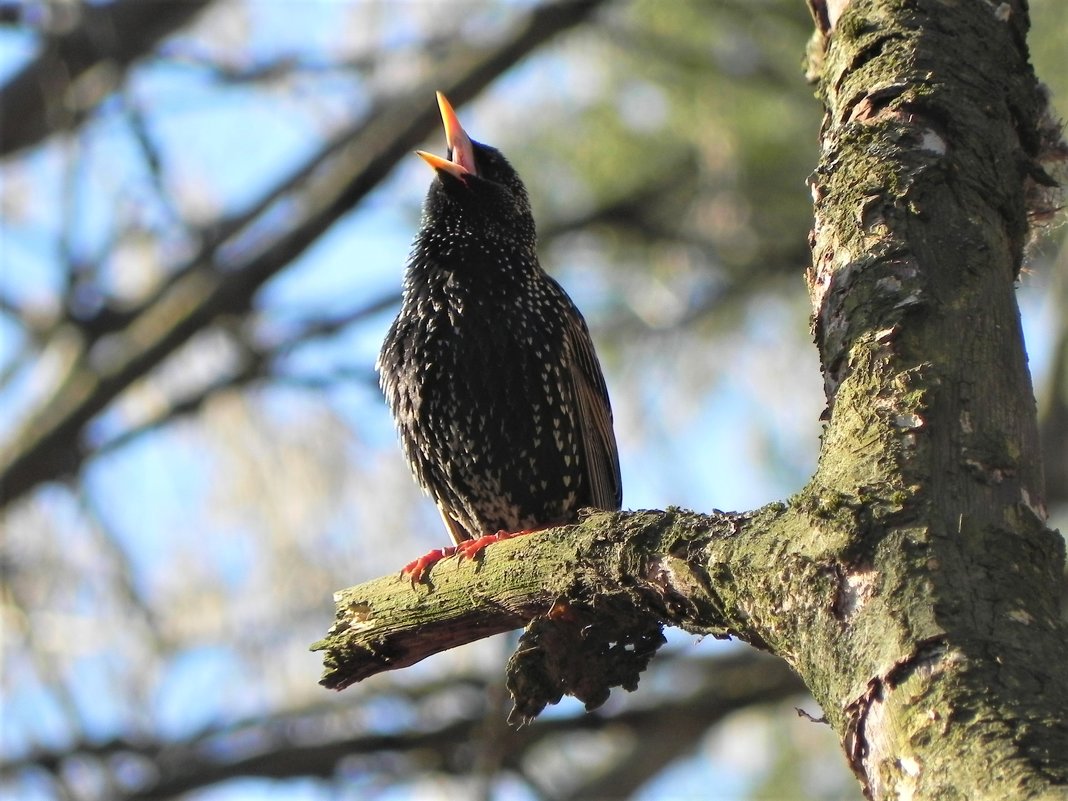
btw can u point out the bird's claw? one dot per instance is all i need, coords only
(417, 568)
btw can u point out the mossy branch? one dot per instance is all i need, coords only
(609, 583)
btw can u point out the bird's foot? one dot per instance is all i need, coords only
(469, 549)
(417, 568)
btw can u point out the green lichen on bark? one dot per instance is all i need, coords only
(920, 225)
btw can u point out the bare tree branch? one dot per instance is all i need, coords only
(257, 361)
(293, 746)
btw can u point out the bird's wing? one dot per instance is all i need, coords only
(457, 533)
(594, 417)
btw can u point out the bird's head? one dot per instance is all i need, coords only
(477, 193)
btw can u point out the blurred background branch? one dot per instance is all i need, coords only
(295, 745)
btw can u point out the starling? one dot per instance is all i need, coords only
(489, 369)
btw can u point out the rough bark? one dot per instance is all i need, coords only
(913, 584)
(930, 142)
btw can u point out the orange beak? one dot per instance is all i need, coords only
(461, 160)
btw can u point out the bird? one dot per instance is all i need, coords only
(488, 369)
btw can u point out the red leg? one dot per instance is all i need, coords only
(417, 568)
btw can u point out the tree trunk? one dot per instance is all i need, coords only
(913, 584)
(928, 153)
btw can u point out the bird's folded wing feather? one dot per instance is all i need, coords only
(595, 419)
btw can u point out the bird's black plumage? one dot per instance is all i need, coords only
(489, 369)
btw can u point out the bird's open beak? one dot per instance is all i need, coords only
(461, 160)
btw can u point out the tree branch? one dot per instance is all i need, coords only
(281, 747)
(388, 624)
